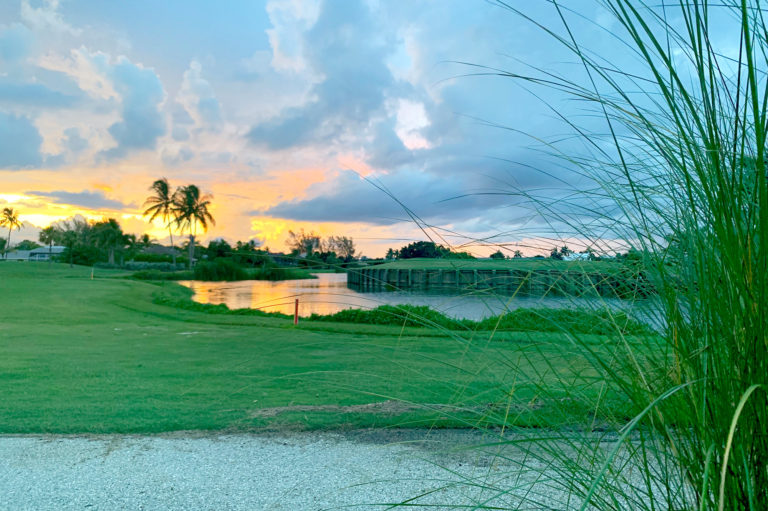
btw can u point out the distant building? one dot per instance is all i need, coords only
(43, 253)
(17, 255)
(37, 254)
(574, 256)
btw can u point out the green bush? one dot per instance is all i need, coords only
(163, 275)
(575, 321)
(220, 269)
(140, 265)
(275, 273)
(159, 258)
(403, 315)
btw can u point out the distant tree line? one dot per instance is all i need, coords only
(500, 255)
(426, 249)
(310, 249)
(88, 242)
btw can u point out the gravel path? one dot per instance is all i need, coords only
(302, 471)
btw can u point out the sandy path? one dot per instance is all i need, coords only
(300, 471)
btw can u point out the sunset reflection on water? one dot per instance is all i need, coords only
(324, 295)
(328, 293)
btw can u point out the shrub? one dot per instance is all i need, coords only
(159, 258)
(220, 269)
(163, 275)
(579, 321)
(164, 266)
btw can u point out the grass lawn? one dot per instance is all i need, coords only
(84, 355)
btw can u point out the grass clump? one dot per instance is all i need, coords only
(211, 308)
(402, 315)
(572, 321)
(278, 273)
(678, 170)
(219, 269)
(581, 321)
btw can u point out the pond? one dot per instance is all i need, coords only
(328, 293)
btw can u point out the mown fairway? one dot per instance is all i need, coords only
(82, 355)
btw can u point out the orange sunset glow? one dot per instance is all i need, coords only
(288, 126)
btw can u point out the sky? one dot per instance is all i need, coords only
(364, 118)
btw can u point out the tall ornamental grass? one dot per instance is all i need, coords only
(678, 171)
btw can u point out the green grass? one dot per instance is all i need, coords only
(671, 157)
(241, 274)
(82, 355)
(505, 264)
(574, 321)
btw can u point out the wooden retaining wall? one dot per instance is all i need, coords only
(518, 282)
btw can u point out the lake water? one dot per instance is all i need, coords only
(328, 293)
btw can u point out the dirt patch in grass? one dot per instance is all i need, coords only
(389, 407)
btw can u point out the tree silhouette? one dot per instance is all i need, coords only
(110, 237)
(9, 219)
(190, 208)
(304, 243)
(161, 205)
(48, 237)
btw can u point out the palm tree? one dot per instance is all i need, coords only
(9, 219)
(67, 237)
(190, 208)
(48, 236)
(109, 236)
(161, 205)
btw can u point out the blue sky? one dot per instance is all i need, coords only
(281, 107)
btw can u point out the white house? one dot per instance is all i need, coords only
(575, 256)
(43, 253)
(17, 255)
(37, 254)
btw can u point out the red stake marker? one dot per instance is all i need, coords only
(296, 313)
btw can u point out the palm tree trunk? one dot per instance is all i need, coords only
(173, 249)
(8, 243)
(50, 252)
(191, 248)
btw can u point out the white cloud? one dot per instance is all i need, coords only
(411, 118)
(88, 69)
(46, 17)
(198, 98)
(290, 20)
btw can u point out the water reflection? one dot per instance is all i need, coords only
(329, 293)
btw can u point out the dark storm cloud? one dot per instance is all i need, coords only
(387, 151)
(388, 200)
